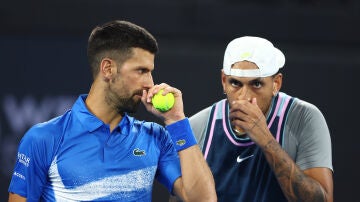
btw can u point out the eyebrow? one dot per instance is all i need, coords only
(252, 80)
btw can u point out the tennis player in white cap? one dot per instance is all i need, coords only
(262, 144)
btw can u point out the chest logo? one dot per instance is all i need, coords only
(239, 159)
(139, 152)
(181, 142)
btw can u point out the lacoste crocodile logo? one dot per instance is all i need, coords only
(138, 152)
(180, 142)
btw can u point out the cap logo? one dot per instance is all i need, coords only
(253, 49)
(245, 55)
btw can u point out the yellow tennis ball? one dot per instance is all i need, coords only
(163, 103)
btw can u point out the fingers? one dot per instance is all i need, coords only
(174, 114)
(254, 101)
(240, 105)
(166, 89)
(238, 115)
(245, 106)
(245, 114)
(144, 96)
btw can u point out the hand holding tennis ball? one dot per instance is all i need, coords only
(163, 103)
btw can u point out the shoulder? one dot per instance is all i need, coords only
(307, 111)
(47, 131)
(199, 121)
(204, 114)
(41, 141)
(309, 139)
(306, 120)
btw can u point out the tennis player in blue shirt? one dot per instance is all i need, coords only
(96, 151)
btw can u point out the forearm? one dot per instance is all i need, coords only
(296, 185)
(197, 182)
(16, 198)
(197, 179)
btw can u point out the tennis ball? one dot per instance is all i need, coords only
(163, 103)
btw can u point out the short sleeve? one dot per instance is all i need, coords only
(199, 123)
(30, 172)
(314, 142)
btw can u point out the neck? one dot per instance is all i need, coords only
(95, 102)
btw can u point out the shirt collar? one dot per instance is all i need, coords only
(91, 122)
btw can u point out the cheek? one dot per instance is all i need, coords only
(231, 95)
(113, 80)
(230, 98)
(264, 103)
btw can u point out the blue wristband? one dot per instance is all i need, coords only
(181, 134)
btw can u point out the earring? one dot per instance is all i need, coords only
(274, 89)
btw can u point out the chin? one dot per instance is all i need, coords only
(130, 108)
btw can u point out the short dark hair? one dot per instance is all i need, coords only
(116, 39)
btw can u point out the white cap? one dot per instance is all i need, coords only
(253, 49)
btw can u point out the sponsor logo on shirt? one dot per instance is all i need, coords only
(19, 175)
(23, 159)
(138, 152)
(239, 159)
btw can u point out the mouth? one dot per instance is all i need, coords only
(137, 98)
(138, 93)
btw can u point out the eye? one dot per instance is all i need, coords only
(142, 70)
(257, 84)
(235, 83)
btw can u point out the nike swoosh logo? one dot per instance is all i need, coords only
(239, 160)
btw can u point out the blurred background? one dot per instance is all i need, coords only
(44, 67)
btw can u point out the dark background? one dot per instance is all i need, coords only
(44, 68)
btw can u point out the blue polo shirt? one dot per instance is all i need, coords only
(75, 157)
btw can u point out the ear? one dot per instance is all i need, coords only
(223, 80)
(106, 65)
(277, 83)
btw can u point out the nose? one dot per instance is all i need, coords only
(244, 93)
(148, 81)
